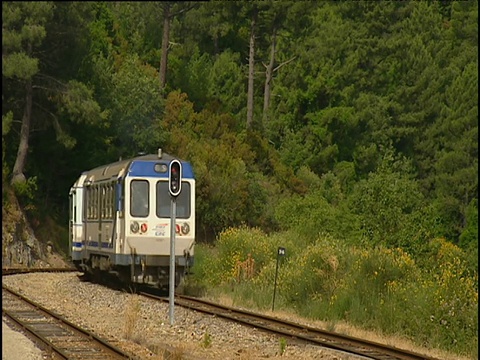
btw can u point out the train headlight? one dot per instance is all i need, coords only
(134, 227)
(185, 229)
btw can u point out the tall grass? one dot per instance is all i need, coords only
(132, 313)
(378, 289)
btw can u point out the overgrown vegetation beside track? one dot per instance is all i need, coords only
(434, 304)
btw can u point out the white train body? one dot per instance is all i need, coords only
(120, 216)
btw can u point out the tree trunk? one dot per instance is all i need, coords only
(165, 40)
(20, 161)
(251, 63)
(268, 76)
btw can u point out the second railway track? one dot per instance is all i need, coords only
(61, 337)
(336, 341)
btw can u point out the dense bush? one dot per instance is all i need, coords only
(380, 288)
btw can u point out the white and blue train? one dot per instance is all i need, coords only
(120, 220)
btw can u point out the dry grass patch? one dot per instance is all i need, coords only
(344, 328)
(132, 313)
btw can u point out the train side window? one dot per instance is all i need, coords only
(139, 198)
(105, 202)
(109, 200)
(183, 201)
(164, 201)
(90, 203)
(95, 201)
(103, 199)
(112, 198)
(87, 200)
(100, 201)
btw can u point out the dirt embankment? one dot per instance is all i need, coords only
(20, 247)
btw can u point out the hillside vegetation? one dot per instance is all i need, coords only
(346, 132)
(433, 304)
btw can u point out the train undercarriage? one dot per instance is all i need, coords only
(138, 272)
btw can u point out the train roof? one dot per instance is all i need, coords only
(120, 168)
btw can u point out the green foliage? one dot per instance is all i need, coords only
(6, 123)
(193, 76)
(23, 29)
(469, 237)
(19, 65)
(227, 84)
(229, 189)
(312, 215)
(435, 305)
(6, 126)
(445, 298)
(77, 104)
(283, 346)
(350, 90)
(370, 274)
(235, 245)
(311, 274)
(26, 189)
(135, 107)
(323, 210)
(207, 340)
(26, 192)
(386, 202)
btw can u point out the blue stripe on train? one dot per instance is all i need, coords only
(147, 168)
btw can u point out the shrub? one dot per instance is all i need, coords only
(312, 273)
(26, 191)
(435, 303)
(236, 245)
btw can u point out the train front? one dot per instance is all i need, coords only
(148, 206)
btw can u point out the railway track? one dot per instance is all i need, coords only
(344, 343)
(316, 336)
(61, 337)
(17, 270)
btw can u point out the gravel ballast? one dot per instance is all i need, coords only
(142, 327)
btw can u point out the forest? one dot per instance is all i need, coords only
(351, 120)
(362, 116)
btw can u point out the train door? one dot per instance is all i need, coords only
(119, 217)
(71, 212)
(76, 224)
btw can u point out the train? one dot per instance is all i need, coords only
(120, 221)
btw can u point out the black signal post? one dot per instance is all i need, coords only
(175, 178)
(280, 253)
(174, 187)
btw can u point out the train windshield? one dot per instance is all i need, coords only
(139, 198)
(164, 201)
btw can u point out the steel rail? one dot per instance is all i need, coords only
(60, 324)
(23, 270)
(336, 341)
